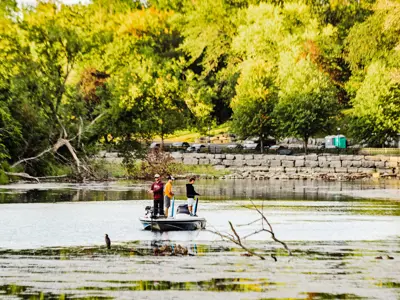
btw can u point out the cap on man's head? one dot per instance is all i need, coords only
(156, 176)
(171, 178)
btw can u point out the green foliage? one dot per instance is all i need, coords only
(3, 177)
(307, 114)
(376, 113)
(105, 170)
(374, 56)
(308, 101)
(142, 169)
(144, 70)
(256, 96)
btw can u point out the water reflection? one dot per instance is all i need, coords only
(332, 271)
(27, 292)
(210, 189)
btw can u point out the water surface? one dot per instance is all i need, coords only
(52, 236)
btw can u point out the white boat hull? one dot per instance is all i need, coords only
(173, 224)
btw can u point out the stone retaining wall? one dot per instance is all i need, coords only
(293, 166)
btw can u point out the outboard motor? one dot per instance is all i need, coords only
(149, 211)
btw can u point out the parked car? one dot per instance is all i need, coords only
(234, 147)
(179, 146)
(250, 145)
(281, 150)
(155, 145)
(195, 148)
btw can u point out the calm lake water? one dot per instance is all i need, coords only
(52, 242)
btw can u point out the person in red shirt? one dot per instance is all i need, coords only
(157, 190)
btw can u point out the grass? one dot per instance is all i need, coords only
(104, 169)
(380, 151)
(201, 170)
(137, 172)
(191, 136)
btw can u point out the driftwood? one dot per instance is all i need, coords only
(22, 175)
(238, 240)
(37, 179)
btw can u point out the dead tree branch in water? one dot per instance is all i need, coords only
(236, 239)
(23, 175)
(37, 179)
(270, 231)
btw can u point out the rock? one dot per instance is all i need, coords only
(288, 163)
(311, 163)
(239, 156)
(275, 163)
(299, 163)
(333, 158)
(379, 164)
(373, 158)
(312, 157)
(392, 164)
(341, 170)
(335, 164)
(190, 161)
(352, 170)
(248, 157)
(215, 161)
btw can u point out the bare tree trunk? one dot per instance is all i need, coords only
(37, 179)
(162, 136)
(305, 144)
(62, 142)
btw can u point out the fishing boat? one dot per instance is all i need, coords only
(179, 220)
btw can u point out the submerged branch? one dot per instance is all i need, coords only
(235, 237)
(271, 231)
(237, 242)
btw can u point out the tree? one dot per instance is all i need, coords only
(39, 94)
(372, 52)
(10, 128)
(308, 101)
(375, 118)
(256, 97)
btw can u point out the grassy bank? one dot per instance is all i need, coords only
(140, 170)
(191, 136)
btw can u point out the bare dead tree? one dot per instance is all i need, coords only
(62, 141)
(236, 239)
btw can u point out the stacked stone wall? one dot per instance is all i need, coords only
(296, 166)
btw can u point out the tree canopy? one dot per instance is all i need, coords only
(128, 71)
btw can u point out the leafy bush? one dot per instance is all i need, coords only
(3, 177)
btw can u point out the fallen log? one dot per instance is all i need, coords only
(37, 179)
(23, 175)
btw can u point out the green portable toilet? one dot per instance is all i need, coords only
(340, 141)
